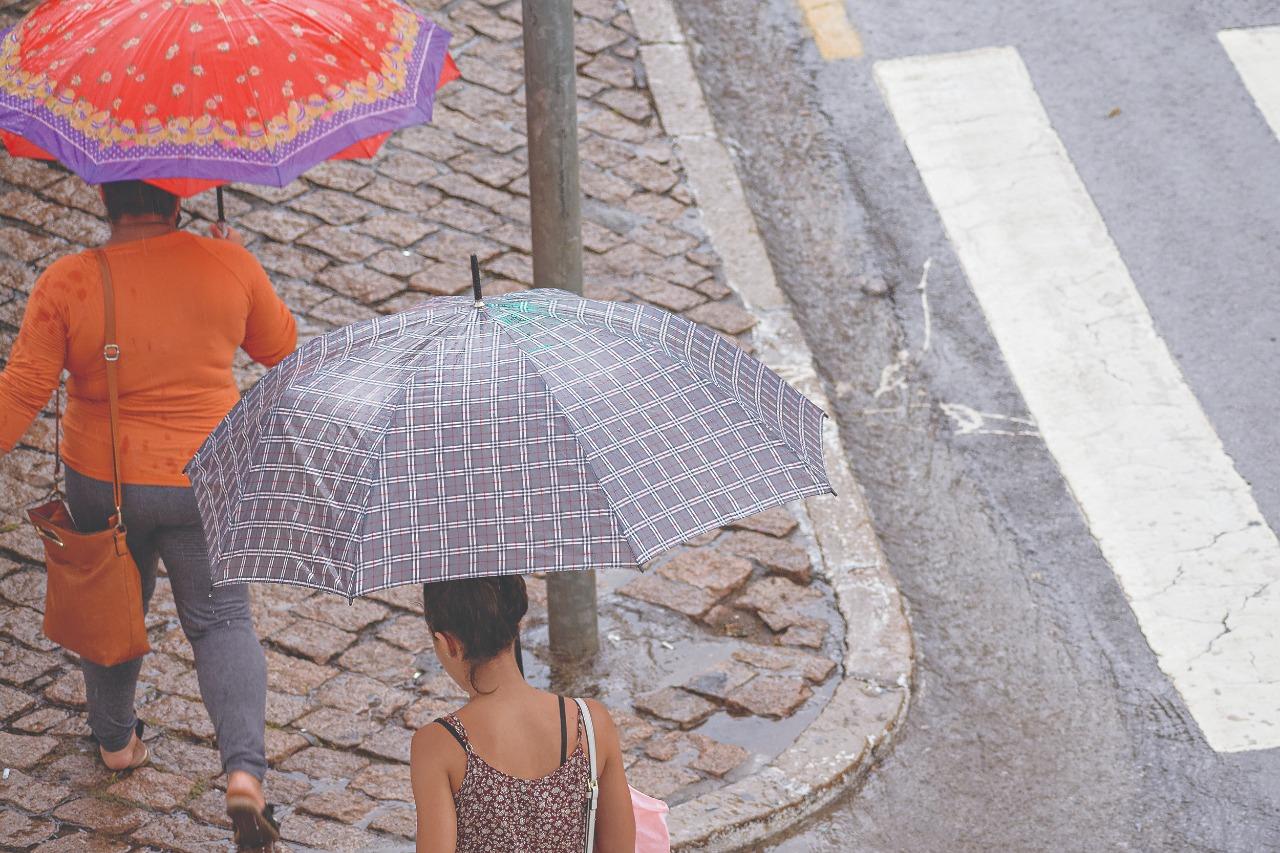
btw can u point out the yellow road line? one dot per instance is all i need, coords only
(835, 36)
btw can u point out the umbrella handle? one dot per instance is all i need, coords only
(222, 214)
(475, 280)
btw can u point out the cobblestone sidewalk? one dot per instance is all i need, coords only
(714, 662)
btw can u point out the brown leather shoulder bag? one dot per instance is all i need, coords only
(93, 598)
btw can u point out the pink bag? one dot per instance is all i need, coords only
(651, 814)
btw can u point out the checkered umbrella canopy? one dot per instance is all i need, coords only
(537, 432)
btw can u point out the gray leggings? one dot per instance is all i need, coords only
(164, 524)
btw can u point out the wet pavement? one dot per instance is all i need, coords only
(714, 661)
(1040, 719)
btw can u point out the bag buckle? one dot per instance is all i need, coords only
(111, 352)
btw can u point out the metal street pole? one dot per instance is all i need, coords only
(555, 207)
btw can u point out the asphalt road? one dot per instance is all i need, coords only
(1041, 720)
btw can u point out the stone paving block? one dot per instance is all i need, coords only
(716, 758)
(809, 633)
(355, 692)
(397, 821)
(273, 195)
(314, 640)
(320, 762)
(720, 680)
(680, 597)
(815, 668)
(667, 296)
(396, 228)
(345, 175)
(341, 311)
(777, 556)
(21, 831)
(397, 262)
(174, 755)
(345, 806)
(331, 609)
(398, 196)
(659, 779)
(407, 597)
(178, 715)
(667, 746)
(379, 660)
(409, 168)
(75, 725)
(294, 674)
(633, 104)
(468, 188)
(102, 815)
(431, 140)
(384, 782)
(346, 246)
(41, 721)
(24, 588)
(31, 794)
(35, 174)
(285, 789)
(776, 522)
(775, 696)
(778, 601)
(650, 174)
(338, 728)
(150, 787)
(390, 741)
(78, 769)
(407, 632)
(336, 208)
(723, 317)
(83, 842)
(632, 730)
(326, 835)
(174, 642)
(288, 260)
(707, 568)
(514, 266)
(13, 702)
(489, 75)
(24, 751)
(611, 70)
(280, 744)
(211, 807)
(283, 226)
(455, 248)
(284, 708)
(497, 172)
(180, 832)
(29, 246)
(679, 706)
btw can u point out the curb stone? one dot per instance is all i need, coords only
(855, 729)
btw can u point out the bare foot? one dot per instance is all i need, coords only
(242, 784)
(133, 755)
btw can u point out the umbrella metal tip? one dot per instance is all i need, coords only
(475, 281)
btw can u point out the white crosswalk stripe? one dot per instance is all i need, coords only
(1177, 523)
(1256, 55)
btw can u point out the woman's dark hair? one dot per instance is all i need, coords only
(137, 198)
(483, 613)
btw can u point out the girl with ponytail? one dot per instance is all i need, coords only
(508, 770)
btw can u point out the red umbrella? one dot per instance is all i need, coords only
(192, 95)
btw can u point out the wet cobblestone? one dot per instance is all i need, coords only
(706, 631)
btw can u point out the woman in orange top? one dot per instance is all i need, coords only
(184, 305)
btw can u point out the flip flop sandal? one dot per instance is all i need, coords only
(255, 829)
(137, 762)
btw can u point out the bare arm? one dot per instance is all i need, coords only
(437, 820)
(615, 822)
(35, 363)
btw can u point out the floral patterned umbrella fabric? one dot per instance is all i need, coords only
(192, 93)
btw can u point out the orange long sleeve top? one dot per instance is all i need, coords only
(184, 305)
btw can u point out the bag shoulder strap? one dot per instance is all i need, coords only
(593, 785)
(111, 354)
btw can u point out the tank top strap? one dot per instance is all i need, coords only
(455, 727)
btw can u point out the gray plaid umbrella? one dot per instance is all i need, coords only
(532, 432)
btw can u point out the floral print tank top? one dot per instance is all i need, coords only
(498, 813)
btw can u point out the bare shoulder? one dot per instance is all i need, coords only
(602, 722)
(430, 745)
